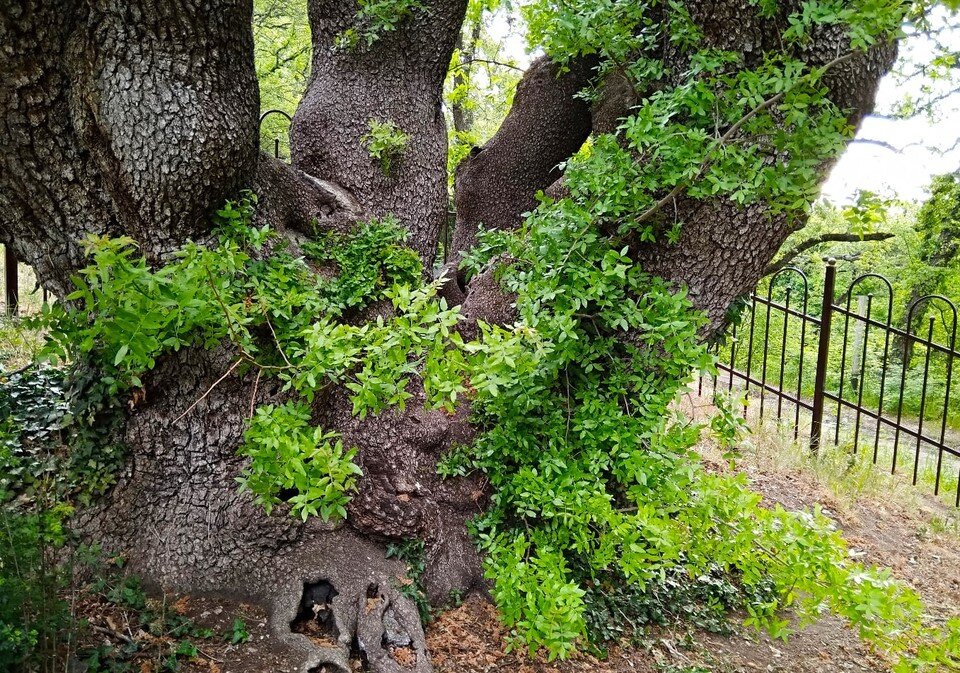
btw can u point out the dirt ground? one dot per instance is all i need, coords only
(917, 536)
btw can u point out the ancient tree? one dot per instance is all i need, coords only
(140, 119)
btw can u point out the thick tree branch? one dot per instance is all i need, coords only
(291, 199)
(788, 257)
(497, 183)
(723, 248)
(398, 79)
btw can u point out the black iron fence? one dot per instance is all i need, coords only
(21, 293)
(840, 370)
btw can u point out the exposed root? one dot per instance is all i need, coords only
(350, 611)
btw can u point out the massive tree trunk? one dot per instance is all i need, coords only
(139, 118)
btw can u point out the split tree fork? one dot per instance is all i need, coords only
(139, 118)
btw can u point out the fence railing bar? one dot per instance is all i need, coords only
(946, 408)
(823, 348)
(862, 377)
(783, 355)
(906, 430)
(780, 307)
(903, 383)
(946, 350)
(770, 388)
(766, 350)
(883, 387)
(733, 359)
(803, 348)
(861, 369)
(753, 318)
(804, 404)
(843, 366)
(923, 398)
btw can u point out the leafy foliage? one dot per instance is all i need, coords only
(617, 609)
(287, 454)
(368, 262)
(727, 424)
(938, 223)
(717, 127)
(376, 18)
(385, 142)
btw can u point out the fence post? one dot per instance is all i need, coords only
(823, 352)
(11, 281)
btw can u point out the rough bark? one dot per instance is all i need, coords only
(121, 117)
(546, 125)
(292, 200)
(398, 79)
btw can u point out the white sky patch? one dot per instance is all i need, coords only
(921, 139)
(904, 175)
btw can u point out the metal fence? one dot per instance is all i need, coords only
(848, 375)
(21, 293)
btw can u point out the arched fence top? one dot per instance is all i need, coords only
(930, 299)
(276, 140)
(785, 271)
(867, 276)
(275, 112)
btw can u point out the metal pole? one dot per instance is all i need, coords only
(823, 351)
(859, 333)
(11, 284)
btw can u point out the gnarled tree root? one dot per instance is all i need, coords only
(345, 586)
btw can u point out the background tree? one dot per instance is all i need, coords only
(938, 223)
(544, 375)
